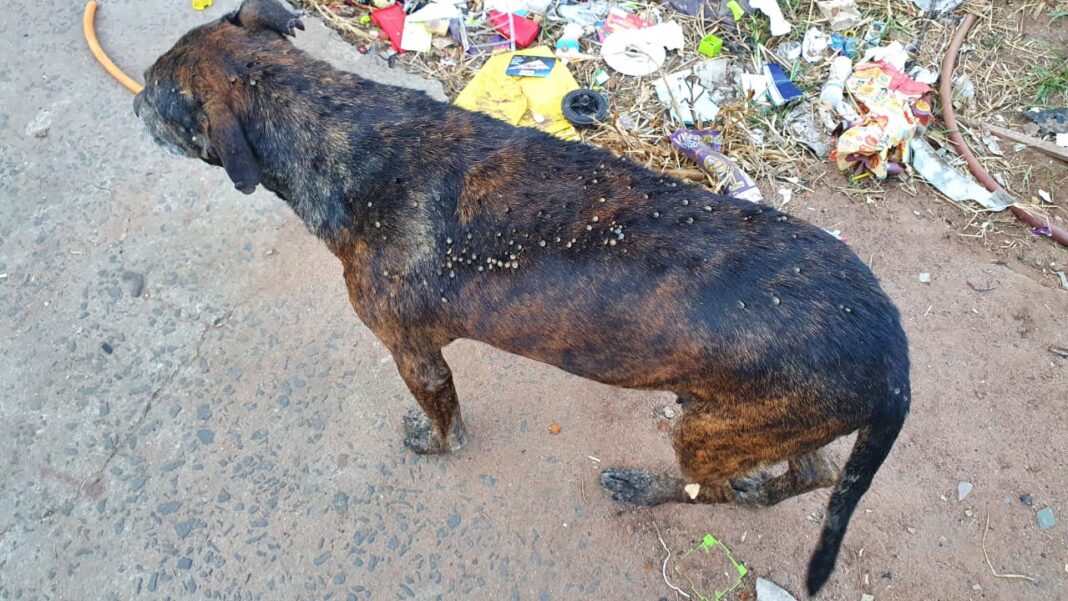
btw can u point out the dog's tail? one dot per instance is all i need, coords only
(870, 450)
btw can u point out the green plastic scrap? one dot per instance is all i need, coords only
(707, 543)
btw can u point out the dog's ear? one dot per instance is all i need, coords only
(255, 15)
(231, 147)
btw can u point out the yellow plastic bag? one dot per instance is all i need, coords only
(201, 4)
(523, 101)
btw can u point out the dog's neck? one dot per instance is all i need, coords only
(315, 132)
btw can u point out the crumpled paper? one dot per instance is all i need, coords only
(843, 14)
(892, 107)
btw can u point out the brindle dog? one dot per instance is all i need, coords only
(450, 224)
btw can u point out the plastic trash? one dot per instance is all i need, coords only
(568, 44)
(736, 10)
(834, 89)
(705, 147)
(642, 51)
(521, 100)
(814, 45)
(688, 100)
(710, 45)
(632, 53)
(391, 21)
(1051, 121)
(801, 123)
(415, 37)
(779, 24)
(893, 107)
(756, 86)
(953, 184)
(584, 15)
(521, 30)
(619, 19)
(875, 33)
(893, 54)
(780, 89)
(789, 51)
(584, 107)
(843, 45)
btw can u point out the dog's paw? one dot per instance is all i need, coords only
(751, 490)
(292, 25)
(420, 436)
(638, 487)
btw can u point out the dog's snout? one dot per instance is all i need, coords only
(139, 99)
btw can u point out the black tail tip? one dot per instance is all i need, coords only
(819, 571)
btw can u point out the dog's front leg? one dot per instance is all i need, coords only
(438, 428)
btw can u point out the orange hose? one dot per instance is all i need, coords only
(949, 61)
(88, 28)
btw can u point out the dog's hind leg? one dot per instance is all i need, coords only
(805, 473)
(719, 446)
(438, 428)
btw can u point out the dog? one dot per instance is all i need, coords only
(450, 224)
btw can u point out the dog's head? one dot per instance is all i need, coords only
(197, 95)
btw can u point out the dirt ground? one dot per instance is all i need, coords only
(191, 410)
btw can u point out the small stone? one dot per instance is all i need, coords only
(963, 490)
(942, 540)
(204, 412)
(668, 411)
(867, 597)
(976, 587)
(767, 590)
(168, 508)
(224, 496)
(1045, 518)
(107, 348)
(554, 428)
(925, 278)
(692, 490)
(1027, 499)
(38, 128)
(206, 436)
(968, 513)
(185, 563)
(911, 530)
(136, 282)
(183, 529)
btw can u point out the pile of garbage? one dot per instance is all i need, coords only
(733, 87)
